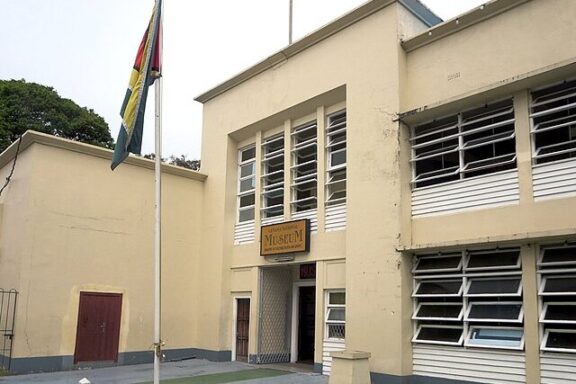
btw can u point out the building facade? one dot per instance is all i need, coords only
(433, 165)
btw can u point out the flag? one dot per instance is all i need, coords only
(146, 70)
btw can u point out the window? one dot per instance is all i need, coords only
(336, 315)
(272, 177)
(553, 113)
(304, 168)
(471, 143)
(471, 298)
(246, 183)
(557, 292)
(336, 152)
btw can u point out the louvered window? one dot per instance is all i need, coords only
(304, 168)
(336, 151)
(553, 113)
(557, 291)
(472, 143)
(471, 298)
(246, 183)
(336, 315)
(272, 177)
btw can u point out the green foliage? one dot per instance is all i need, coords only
(25, 106)
(180, 161)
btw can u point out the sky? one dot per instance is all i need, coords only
(85, 50)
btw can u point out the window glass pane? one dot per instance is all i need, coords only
(248, 154)
(560, 285)
(559, 255)
(436, 287)
(496, 337)
(336, 331)
(247, 170)
(451, 335)
(338, 158)
(493, 286)
(494, 311)
(247, 214)
(337, 298)
(337, 314)
(247, 200)
(248, 184)
(439, 311)
(561, 340)
(426, 264)
(490, 260)
(563, 312)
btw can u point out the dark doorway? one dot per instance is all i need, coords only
(242, 328)
(306, 324)
(98, 330)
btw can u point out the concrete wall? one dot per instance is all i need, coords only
(81, 227)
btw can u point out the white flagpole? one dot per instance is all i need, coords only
(290, 23)
(158, 212)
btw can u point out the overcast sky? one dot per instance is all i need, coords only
(85, 50)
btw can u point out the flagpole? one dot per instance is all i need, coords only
(290, 10)
(158, 214)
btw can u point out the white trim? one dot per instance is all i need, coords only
(546, 278)
(495, 304)
(295, 317)
(556, 303)
(443, 256)
(234, 321)
(415, 338)
(415, 294)
(470, 280)
(468, 341)
(545, 340)
(449, 304)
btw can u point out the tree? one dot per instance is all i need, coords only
(180, 161)
(25, 106)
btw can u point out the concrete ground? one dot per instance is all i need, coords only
(132, 374)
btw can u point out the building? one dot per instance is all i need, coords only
(433, 164)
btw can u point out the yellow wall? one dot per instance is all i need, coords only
(90, 229)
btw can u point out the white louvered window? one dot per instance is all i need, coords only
(470, 298)
(553, 115)
(335, 319)
(557, 292)
(336, 161)
(246, 183)
(476, 142)
(272, 178)
(304, 168)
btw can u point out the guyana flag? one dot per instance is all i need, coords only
(146, 70)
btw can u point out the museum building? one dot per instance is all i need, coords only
(391, 183)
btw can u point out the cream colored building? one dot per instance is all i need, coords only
(435, 162)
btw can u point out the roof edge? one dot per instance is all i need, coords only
(474, 16)
(352, 17)
(33, 137)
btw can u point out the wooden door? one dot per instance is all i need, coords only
(98, 329)
(242, 328)
(306, 324)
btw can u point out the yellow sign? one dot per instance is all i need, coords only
(283, 238)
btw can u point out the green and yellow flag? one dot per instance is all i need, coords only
(146, 70)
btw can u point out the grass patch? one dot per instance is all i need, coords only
(227, 377)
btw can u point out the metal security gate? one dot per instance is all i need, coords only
(7, 314)
(274, 326)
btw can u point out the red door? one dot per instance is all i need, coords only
(242, 329)
(98, 329)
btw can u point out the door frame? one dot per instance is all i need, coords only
(296, 317)
(234, 320)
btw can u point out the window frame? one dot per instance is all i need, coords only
(519, 319)
(419, 306)
(471, 279)
(555, 277)
(310, 177)
(441, 280)
(329, 151)
(240, 194)
(542, 318)
(439, 256)
(553, 349)
(543, 249)
(275, 187)
(441, 326)
(328, 307)
(469, 254)
(468, 340)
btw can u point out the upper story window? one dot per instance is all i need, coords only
(304, 167)
(336, 164)
(273, 177)
(553, 113)
(246, 183)
(472, 143)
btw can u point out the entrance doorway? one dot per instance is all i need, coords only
(306, 323)
(98, 330)
(242, 329)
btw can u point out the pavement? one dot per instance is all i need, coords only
(133, 374)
